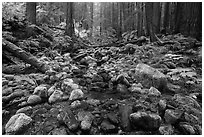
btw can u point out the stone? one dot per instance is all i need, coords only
(107, 127)
(186, 128)
(172, 116)
(93, 102)
(122, 80)
(68, 85)
(122, 89)
(7, 91)
(112, 117)
(51, 90)
(4, 82)
(17, 123)
(166, 130)
(56, 96)
(76, 94)
(150, 77)
(24, 109)
(154, 92)
(86, 119)
(75, 104)
(150, 122)
(58, 131)
(34, 99)
(67, 117)
(125, 111)
(9, 77)
(41, 91)
(138, 107)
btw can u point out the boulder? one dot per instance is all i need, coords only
(107, 127)
(86, 119)
(41, 91)
(34, 99)
(143, 120)
(166, 130)
(172, 116)
(150, 77)
(17, 123)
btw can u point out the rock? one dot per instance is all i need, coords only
(24, 109)
(56, 96)
(76, 94)
(150, 77)
(112, 117)
(166, 130)
(162, 107)
(190, 118)
(68, 118)
(7, 91)
(50, 72)
(97, 78)
(68, 86)
(9, 77)
(121, 89)
(4, 82)
(58, 131)
(138, 107)
(34, 99)
(93, 102)
(86, 119)
(51, 90)
(125, 111)
(41, 91)
(172, 116)
(122, 80)
(154, 92)
(108, 127)
(198, 129)
(75, 104)
(17, 123)
(186, 128)
(150, 122)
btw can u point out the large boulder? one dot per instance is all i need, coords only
(76, 94)
(150, 77)
(17, 123)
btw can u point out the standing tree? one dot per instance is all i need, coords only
(149, 18)
(166, 16)
(31, 12)
(69, 21)
(156, 16)
(91, 9)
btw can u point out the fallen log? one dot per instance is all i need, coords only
(25, 56)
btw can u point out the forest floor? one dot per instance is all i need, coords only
(131, 89)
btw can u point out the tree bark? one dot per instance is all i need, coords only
(91, 9)
(25, 56)
(149, 11)
(166, 16)
(31, 12)
(69, 19)
(156, 16)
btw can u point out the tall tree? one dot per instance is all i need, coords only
(178, 17)
(148, 12)
(166, 16)
(31, 12)
(69, 20)
(140, 19)
(91, 10)
(156, 16)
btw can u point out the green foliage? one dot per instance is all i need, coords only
(13, 9)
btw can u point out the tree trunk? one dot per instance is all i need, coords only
(166, 17)
(69, 19)
(178, 17)
(101, 15)
(149, 11)
(140, 19)
(25, 56)
(31, 12)
(91, 9)
(156, 16)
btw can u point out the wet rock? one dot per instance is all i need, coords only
(172, 116)
(58, 131)
(24, 109)
(166, 130)
(150, 122)
(112, 117)
(186, 128)
(86, 119)
(125, 111)
(76, 94)
(41, 91)
(68, 118)
(154, 92)
(56, 96)
(122, 89)
(34, 99)
(17, 123)
(107, 127)
(150, 77)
